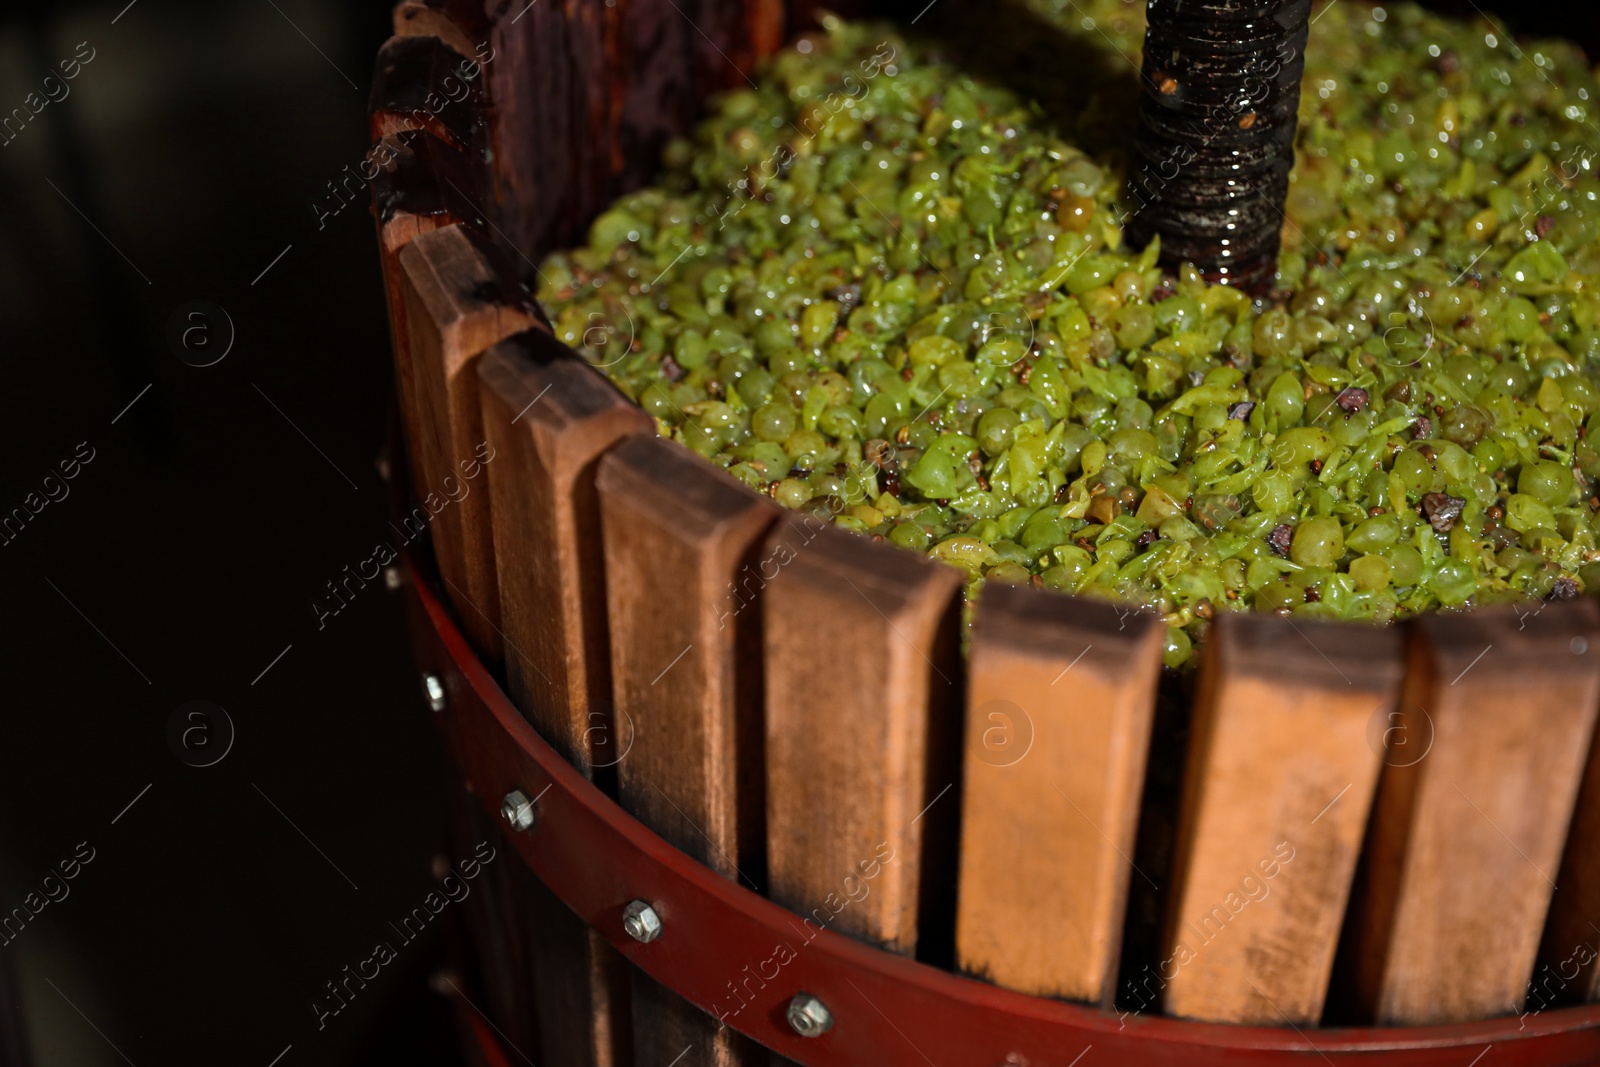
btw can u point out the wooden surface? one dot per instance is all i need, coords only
(421, 82)
(685, 652)
(1568, 970)
(587, 95)
(1278, 783)
(579, 982)
(550, 416)
(415, 190)
(453, 311)
(461, 24)
(1466, 840)
(1060, 695)
(686, 676)
(862, 731)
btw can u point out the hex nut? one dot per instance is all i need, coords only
(433, 685)
(641, 922)
(518, 810)
(809, 1016)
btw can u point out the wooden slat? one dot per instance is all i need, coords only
(455, 307)
(579, 982)
(462, 24)
(1277, 787)
(422, 82)
(863, 727)
(549, 417)
(1569, 959)
(1466, 840)
(686, 672)
(1060, 696)
(412, 194)
(685, 649)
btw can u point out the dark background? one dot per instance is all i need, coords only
(186, 158)
(196, 142)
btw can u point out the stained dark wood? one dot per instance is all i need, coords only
(454, 308)
(1568, 970)
(421, 82)
(461, 24)
(610, 86)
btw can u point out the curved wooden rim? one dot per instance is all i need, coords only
(887, 1009)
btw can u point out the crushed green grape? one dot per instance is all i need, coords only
(895, 295)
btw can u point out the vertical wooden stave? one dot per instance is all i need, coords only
(868, 737)
(1567, 970)
(455, 308)
(1279, 779)
(549, 417)
(1050, 803)
(686, 675)
(1456, 882)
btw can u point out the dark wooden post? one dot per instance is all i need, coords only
(1216, 133)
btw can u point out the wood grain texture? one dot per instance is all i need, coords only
(685, 651)
(415, 175)
(579, 982)
(1466, 838)
(1060, 695)
(414, 191)
(1568, 971)
(549, 417)
(412, 150)
(498, 968)
(863, 728)
(1278, 783)
(461, 24)
(421, 82)
(587, 96)
(454, 308)
(686, 678)
(671, 1031)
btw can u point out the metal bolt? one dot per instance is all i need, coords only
(519, 810)
(641, 922)
(434, 687)
(392, 577)
(809, 1016)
